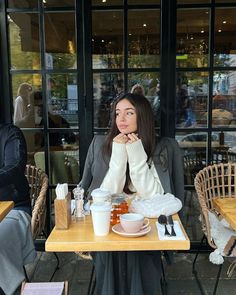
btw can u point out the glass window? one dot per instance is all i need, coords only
(60, 40)
(62, 100)
(23, 4)
(24, 41)
(193, 1)
(143, 2)
(106, 87)
(192, 99)
(224, 99)
(192, 42)
(150, 82)
(225, 37)
(107, 3)
(107, 39)
(144, 38)
(56, 3)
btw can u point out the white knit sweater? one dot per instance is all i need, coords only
(145, 180)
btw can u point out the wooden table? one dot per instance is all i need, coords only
(80, 237)
(227, 208)
(5, 207)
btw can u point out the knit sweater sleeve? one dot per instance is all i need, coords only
(114, 180)
(144, 178)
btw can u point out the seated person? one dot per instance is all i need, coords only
(54, 121)
(16, 243)
(131, 160)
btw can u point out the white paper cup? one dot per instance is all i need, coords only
(101, 214)
(101, 195)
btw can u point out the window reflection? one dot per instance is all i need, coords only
(56, 3)
(107, 3)
(107, 40)
(192, 38)
(22, 4)
(143, 2)
(106, 88)
(144, 38)
(225, 40)
(24, 41)
(151, 86)
(224, 99)
(191, 99)
(60, 40)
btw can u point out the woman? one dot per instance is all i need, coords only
(128, 160)
(22, 107)
(16, 243)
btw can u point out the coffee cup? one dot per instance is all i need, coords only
(133, 222)
(101, 214)
(101, 195)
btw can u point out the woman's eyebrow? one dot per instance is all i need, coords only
(126, 109)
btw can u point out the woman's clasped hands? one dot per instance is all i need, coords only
(126, 138)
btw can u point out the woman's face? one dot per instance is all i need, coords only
(126, 117)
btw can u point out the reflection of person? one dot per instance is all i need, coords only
(16, 243)
(54, 121)
(129, 161)
(22, 105)
(137, 89)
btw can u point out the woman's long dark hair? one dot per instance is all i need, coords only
(145, 125)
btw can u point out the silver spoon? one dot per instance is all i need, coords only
(162, 219)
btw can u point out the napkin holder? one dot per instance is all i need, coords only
(63, 212)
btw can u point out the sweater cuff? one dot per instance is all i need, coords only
(118, 155)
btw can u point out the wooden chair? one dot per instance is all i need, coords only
(38, 183)
(214, 181)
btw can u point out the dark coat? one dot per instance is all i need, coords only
(13, 157)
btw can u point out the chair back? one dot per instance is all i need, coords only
(38, 182)
(214, 181)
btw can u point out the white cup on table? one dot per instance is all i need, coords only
(101, 195)
(101, 214)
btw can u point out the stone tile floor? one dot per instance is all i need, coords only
(179, 274)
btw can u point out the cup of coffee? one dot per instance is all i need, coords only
(101, 214)
(133, 222)
(101, 195)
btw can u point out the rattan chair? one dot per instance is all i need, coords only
(38, 183)
(214, 181)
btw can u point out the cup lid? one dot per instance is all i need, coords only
(99, 192)
(102, 206)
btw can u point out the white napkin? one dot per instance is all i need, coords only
(177, 228)
(61, 190)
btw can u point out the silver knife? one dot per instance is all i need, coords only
(171, 223)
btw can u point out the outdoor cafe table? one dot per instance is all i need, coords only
(80, 237)
(5, 207)
(227, 208)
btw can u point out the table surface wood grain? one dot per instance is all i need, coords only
(80, 237)
(227, 208)
(5, 207)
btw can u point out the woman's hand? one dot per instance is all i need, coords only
(121, 138)
(132, 137)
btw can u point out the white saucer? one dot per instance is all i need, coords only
(118, 229)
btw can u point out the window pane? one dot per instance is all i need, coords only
(192, 99)
(107, 3)
(225, 37)
(107, 40)
(143, 2)
(151, 85)
(62, 100)
(224, 99)
(60, 40)
(23, 4)
(24, 41)
(192, 40)
(193, 1)
(56, 3)
(144, 38)
(106, 88)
